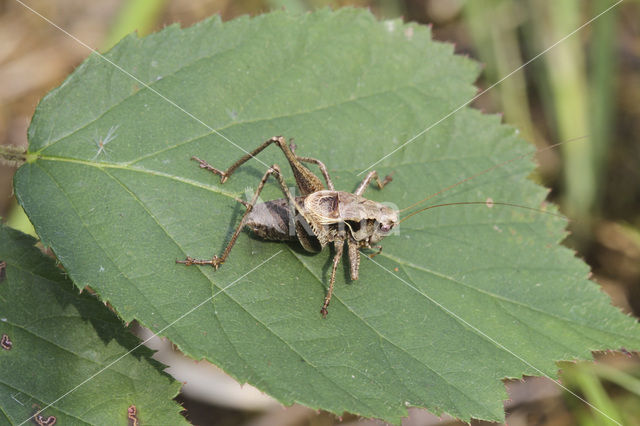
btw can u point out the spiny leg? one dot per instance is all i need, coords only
(372, 175)
(307, 182)
(224, 175)
(216, 261)
(339, 246)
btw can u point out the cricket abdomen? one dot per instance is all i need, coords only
(271, 220)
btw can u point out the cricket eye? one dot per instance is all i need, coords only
(385, 228)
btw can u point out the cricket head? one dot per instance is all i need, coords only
(386, 219)
(371, 221)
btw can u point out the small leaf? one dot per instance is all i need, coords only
(463, 297)
(54, 340)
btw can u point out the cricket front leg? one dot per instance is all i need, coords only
(372, 255)
(339, 246)
(216, 261)
(373, 175)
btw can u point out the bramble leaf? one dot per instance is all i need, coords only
(461, 298)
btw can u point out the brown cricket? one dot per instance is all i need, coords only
(318, 216)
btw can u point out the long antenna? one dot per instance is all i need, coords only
(488, 203)
(519, 157)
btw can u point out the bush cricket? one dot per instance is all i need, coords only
(318, 216)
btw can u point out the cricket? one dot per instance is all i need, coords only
(318, 216)
(321, 215)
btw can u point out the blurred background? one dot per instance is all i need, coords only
(587, 87)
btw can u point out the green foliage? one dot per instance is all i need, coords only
(59, 339)
(470, 294)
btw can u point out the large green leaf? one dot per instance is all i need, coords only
(470, 295)
(58, 339)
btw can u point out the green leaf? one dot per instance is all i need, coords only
(57, 339)
(463, 296)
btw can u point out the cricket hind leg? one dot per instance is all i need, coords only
(207, 166)
(339, 247)
(224, 174)
(216, 261)
(307, 182)
(373, 175)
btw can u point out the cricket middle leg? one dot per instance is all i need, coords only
(339, 246)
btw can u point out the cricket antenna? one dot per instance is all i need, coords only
(519, 157)
(489, 203)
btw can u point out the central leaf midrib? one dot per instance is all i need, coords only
(103, 166)
(216, 189)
